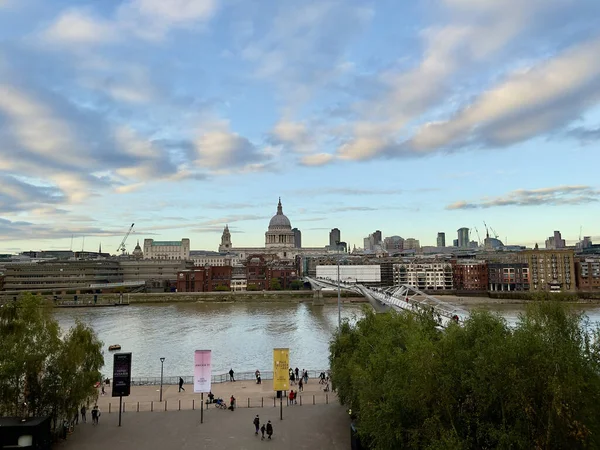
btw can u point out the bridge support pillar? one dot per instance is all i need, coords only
(318, 298)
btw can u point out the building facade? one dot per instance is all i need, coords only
(167, 249)
(158, 274)
(441, 239)
(508, 276)
(463, 237)
(204, 279)
(364, 274)
(551, 270)
(470, 275)
(588, 273)
(431, 276)
(335, 236)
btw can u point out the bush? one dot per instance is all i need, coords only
(481, 385)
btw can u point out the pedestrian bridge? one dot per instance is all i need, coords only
(400, 298)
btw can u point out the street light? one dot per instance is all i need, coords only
(162, 360)
(337, 243)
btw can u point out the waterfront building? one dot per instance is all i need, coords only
(551, 270)
(204, 279)
(60, 275)
(166, 249)
(463, 237)
(424, 275)
(588, 273)
(364, 274)
(508, 276)
(441, 239)
(208, 258)
(470, 274)
(159, 275)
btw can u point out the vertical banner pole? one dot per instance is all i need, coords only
(120, 408)
(202, 376)
(202, 409)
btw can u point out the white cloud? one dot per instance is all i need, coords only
(81, 27)
(317, 159)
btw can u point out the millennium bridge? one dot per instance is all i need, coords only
(400, 298)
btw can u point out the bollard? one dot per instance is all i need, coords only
(166, 405)
(248, 402)
(138, 408)
(313, 399)
(109, 407)
(151, 406)
(179, 405)
(262, 402)
(300, 400)
(123, 406)
(193, 404)
(327, 399)
(274, 402)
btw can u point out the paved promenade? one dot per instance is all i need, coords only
(245, 392)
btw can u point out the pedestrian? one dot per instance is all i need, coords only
(232, 403)
(292, 379)
(83, 411)
(181, 388)
(300, 385)
(306, 377)
(102, 388)
(297, 373)
(95, 414)
(269, 429)
(231, 372)
(291, 397)
(256, 423)
(262, 430)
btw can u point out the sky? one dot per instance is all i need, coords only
(411, 118)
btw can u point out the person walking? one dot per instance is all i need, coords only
(297, 373)
(83, 411)
(306, 377)
(300, 385)
(232, 403)
(291, 397)
(181, 388)
(95, 414)
(269, 429)
(231, 372)
(262, 430)
(256, 423)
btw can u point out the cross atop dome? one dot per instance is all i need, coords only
(279, 207)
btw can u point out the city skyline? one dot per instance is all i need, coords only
(185, 116)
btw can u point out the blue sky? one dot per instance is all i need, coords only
(408, 117)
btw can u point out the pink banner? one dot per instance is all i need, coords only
(202, 371)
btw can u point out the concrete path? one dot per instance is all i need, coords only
(245, 392)
(302, 427)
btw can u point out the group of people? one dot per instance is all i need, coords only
(324, 379)
(295, 377)
(268, 428)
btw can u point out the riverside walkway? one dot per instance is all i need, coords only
(324, 424)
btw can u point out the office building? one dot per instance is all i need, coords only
(411, 244)
(297, 238)
(463, 237)
(335, 236)
(588, 273)
(393, 243)
(441, 239)
(455, 243)
(166, 249)
(432, 276)
(555, 242)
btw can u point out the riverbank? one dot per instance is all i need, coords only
(485, 301)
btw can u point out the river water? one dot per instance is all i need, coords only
(240, 335)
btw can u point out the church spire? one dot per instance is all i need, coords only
(279, 207)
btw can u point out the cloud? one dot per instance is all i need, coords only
(584, 135)
(223, 150)
(560, 195)
(145, 19)
(317, 159)
(18, 195)
(345, 191)
(13, 230)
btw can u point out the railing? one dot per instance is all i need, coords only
(216, 378)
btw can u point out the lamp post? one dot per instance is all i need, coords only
(162, 360)
(337, 243)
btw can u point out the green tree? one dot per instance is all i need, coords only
(222, 288)
(296, 285)
(252, 287)
(40, 372)
(481, 385)
(275, 284)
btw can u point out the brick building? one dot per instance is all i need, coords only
(588, 273)
(470, 275)
(508, 276)
(551, 270)
(204, 279)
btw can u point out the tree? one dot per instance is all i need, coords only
(222, 288)
(296, 285)
(480, 385)
(252, 287)
(40, 373)
(275, 284)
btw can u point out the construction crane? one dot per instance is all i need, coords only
(122, 245)
(494, 231)
(478, 237)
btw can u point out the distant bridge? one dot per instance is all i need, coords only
(400, 298)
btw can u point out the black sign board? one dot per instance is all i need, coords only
(121, 375)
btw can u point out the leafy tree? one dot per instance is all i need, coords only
(477, 386)
(252, 287)
(296, 285)
(275, 284)
(40, 372)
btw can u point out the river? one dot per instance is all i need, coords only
(240, 335)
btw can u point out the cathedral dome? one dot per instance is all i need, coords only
(280, 221)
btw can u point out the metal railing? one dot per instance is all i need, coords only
(215, 378)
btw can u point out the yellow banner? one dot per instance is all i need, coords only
(281, 366)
